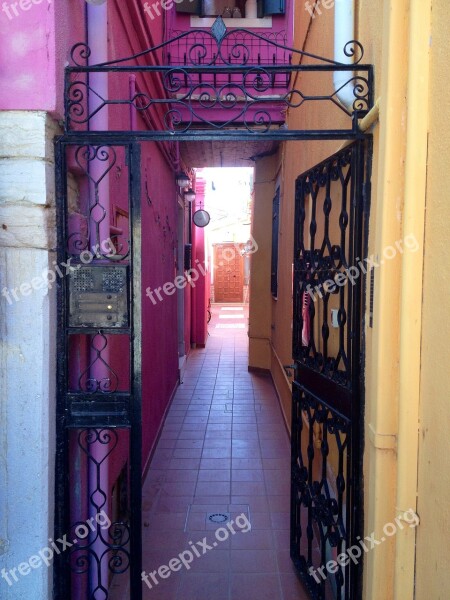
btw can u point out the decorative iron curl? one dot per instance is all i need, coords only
(86, 154)
(76, 102)
(173, 119)
(361, 91)
(176, 80)
(80, 560)
(119, 562)
(261, 120)
(239, 53)
(82, 51)
(352, 48)
(119, 533)
(229, 100)
(104, 436)
(202, 51)
(261, 81)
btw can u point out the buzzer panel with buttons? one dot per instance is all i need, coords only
(99, 296)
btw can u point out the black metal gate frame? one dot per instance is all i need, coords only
(329, 389)
(196, 99)
(125, 407)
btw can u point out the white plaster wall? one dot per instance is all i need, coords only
(27, 349)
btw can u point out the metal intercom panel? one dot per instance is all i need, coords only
(99, 296)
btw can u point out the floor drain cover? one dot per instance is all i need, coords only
(218, 517)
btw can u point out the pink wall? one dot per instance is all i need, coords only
(159, 331)
(35, 45)
(200, 293)
(130, 33)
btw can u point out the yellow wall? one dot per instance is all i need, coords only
(433, 564)
(260, 297)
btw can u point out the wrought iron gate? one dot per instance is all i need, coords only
(98, 454)
(98, 486)
(326, 501)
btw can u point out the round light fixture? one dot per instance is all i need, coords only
(182, 180)
(189, 195)
(201, 218)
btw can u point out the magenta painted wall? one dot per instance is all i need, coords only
(130, 33)
(159, 329)
(200, 292)
(35, 46)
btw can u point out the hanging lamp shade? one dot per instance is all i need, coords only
(189, 195)
(182, 180)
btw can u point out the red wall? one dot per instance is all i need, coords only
(130, 33)
(200, 292)
(159, 329)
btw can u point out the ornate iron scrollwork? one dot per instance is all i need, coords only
(102, 547)
(242, 73)
(320, 260)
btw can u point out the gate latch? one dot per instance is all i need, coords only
(289, 368)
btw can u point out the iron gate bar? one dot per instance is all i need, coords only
(280, 135)
(226, 69)
(220, 38)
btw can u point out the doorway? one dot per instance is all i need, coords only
(228, 273)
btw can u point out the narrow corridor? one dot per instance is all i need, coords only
(223, 456)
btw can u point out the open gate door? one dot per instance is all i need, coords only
(98, 454)
(326, 507)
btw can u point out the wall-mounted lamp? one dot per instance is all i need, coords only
(182, 180)
(189, 195)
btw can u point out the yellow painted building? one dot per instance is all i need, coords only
(406, 464)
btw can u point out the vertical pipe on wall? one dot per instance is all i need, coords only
(97, 17)
(344, 32)
(411, 288)
(382, 388)
(133, 116)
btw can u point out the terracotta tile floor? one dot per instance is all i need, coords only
(224, 450)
